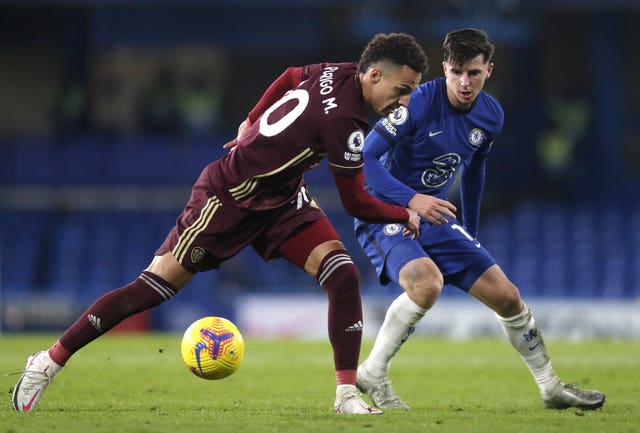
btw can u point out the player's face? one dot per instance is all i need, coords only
(391, 87)
(465, 82)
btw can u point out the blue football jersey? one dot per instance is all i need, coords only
(421, 148)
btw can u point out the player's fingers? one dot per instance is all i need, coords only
(450, 206)
(413, 232)
(446, 206)
(435, 218)
(446, 212)
(438, 217)
(230, 144)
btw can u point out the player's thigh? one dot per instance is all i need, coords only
(460, 257)
(379, 241)
(169, 269)
(407, 264)
(301, 233)
(207, 232)
(421, 274)
(310, 244)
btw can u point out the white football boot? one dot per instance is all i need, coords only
(348, 401)
(36, 377)
(379, 390)
(565, 396)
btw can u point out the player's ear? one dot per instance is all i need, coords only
(375, 74)
(489, 69)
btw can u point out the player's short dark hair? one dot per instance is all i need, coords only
(463, 45)
(397, 48)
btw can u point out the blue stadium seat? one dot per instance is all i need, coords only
(548, 251)
(22, 248)
(84, 160)
(30, 160)
(144, 161)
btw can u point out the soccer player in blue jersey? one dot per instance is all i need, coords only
(411, 159)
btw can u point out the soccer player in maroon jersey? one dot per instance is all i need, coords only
(256, 195)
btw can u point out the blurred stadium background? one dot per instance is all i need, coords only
(109, 109)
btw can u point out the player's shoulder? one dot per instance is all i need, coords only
(426, 98)
(337, 93)
(491, 109)
(422, 103)
(427, 90)
(329, 70)
(491, 104)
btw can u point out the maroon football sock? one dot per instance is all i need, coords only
(145, 292)
(341, 280)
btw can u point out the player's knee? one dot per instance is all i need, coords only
(338, 275)
(348, 281)
(422, 281)
(510, 303)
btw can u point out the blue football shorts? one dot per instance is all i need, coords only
(460, 258)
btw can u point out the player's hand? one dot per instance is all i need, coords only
(412, 227)
(434, 209)
(242, 129)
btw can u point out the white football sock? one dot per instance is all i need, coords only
(524, 336)
(399, 323)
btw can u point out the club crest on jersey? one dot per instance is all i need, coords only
(476, 137)
(392, 229)
(399, 116)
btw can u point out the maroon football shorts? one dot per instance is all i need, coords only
(208, 232)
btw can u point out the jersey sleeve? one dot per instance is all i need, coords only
(360, 204)
(473, 173)
(377, 177)
(471, 188)
(344, 141)
(497, 114)
(380, 142)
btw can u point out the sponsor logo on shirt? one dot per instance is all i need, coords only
(444, 168)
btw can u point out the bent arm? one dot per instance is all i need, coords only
(360, 204)
(378, 177)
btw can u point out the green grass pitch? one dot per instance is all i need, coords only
(137, 383)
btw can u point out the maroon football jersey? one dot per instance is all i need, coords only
(324, 116)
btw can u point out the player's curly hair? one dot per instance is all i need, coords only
(397, 48)
(462, 45)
